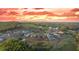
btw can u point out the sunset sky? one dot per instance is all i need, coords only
(40, 14)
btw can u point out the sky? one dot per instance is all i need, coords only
(39, 3)
(40, 14)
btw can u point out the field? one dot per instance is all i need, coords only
(32, 36)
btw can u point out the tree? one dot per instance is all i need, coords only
(42, 46)
(77, 40)
(14, 45)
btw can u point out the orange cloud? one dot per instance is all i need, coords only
(39, 14)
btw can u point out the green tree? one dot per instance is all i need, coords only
(77, 40)
(42, 46)
(14, 45)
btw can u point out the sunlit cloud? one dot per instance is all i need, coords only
(39, 14)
